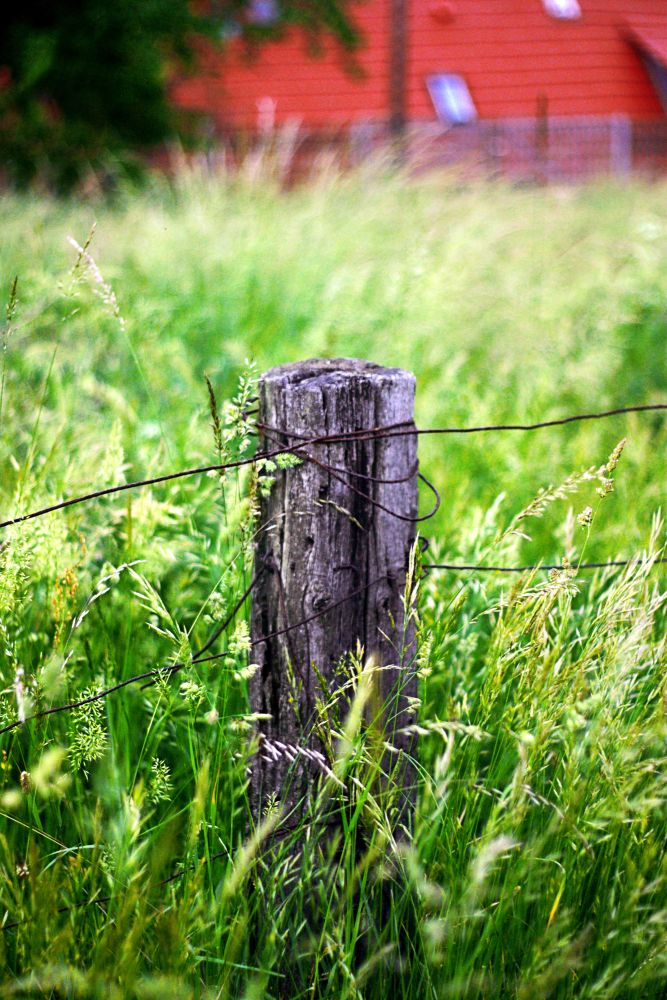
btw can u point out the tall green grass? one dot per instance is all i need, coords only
(536, 866)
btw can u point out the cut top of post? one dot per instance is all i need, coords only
(337, 395)
(318, 369)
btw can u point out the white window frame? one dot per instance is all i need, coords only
(451, 98)
(564, 10)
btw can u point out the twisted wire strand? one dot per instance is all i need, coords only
(394, 430)
(402, 429)
(341, 474)
(388, 431)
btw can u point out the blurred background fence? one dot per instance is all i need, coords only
(528, 150)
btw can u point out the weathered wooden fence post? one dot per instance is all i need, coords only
(332, 555)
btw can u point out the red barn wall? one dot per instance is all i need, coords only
(317, 90)
(510, 53)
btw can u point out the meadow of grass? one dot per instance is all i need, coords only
(129, 865)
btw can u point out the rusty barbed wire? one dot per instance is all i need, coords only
(393, 430)
(340, 474)
(404, 428)
(388, 431)
(221, 629)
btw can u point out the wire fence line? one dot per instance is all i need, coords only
(300, 447)
(461, 568)
(393, 430)
(155, 675)
(389, 431)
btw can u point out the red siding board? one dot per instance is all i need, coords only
(509, 53)
(319, 91)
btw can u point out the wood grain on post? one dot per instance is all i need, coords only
(327, 552)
